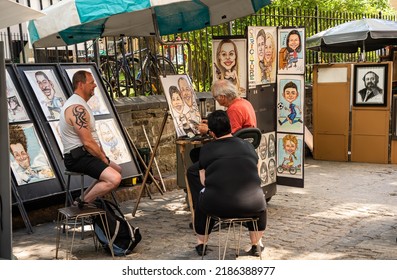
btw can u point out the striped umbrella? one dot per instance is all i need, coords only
(73, 21)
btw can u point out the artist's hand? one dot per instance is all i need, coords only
(203, 127)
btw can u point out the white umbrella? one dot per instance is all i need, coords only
(12, 13)
(69, 21)
(368, 34)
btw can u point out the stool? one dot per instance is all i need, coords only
(69, 198)
(73, 214)
(231, 222)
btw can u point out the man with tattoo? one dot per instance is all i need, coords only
(82, 149)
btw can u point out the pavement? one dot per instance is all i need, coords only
(345, 211)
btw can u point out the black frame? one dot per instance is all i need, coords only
(357, 79)
(46, 188)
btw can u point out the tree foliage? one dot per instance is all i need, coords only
(352, 6)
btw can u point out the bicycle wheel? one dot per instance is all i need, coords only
(156, 67)
(107, 70)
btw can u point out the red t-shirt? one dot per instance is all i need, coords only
(241, 114)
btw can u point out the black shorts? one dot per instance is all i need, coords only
(85, 163)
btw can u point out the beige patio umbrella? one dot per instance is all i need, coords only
(12, 13)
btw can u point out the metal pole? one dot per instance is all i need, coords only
(5, 177)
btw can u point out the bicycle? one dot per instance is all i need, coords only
(141, 76)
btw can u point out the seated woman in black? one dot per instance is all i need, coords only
(229, 172)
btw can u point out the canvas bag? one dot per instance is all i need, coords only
(124, 236)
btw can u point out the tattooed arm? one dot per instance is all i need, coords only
(79, 118)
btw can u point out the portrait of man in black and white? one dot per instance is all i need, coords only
(370, 85)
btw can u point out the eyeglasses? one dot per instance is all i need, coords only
(217, 97)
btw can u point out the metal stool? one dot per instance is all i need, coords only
(232, 223)
(74, 214)
(69, 197)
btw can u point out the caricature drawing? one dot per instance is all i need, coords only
(51, 99)
(189, 100)
(289, 158)
(266, 56)
(290, 94)
(28, 161)
(226, 65)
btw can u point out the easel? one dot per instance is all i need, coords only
(149, 166)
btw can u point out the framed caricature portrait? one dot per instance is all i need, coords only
(290, 103)
(29, 161)
(267, 166)
(229, 60)
(182, 102)
(16, 108)
(112, 142)
(370, 85)
(262, 58)
(97, 102)
(290, 155)
(291, 51)
(47, 90)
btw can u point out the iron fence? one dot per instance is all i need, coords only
(195, 57)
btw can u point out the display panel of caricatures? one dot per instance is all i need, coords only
(112, 142)
(290, 103)
(291, 51)
(290, 155)
(229, 57)
(29, 161)
(267, 159)
(33, 165)
(262, 58)
(16, 109)
(96, 102)
(48, 91)
(182, 102)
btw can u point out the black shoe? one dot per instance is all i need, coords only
(79, 203)
(199, 249)
(280, 122)
(254, 251)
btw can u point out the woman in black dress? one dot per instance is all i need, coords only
(229, 172)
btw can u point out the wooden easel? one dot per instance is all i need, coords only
(149, 166)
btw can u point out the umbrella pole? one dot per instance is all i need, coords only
(363, 51)
(181, 42)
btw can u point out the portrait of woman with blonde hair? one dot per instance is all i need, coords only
(270, 59)
(266, 56)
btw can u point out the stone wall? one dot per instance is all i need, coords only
(139, 113)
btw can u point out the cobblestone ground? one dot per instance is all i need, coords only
(345, 211)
